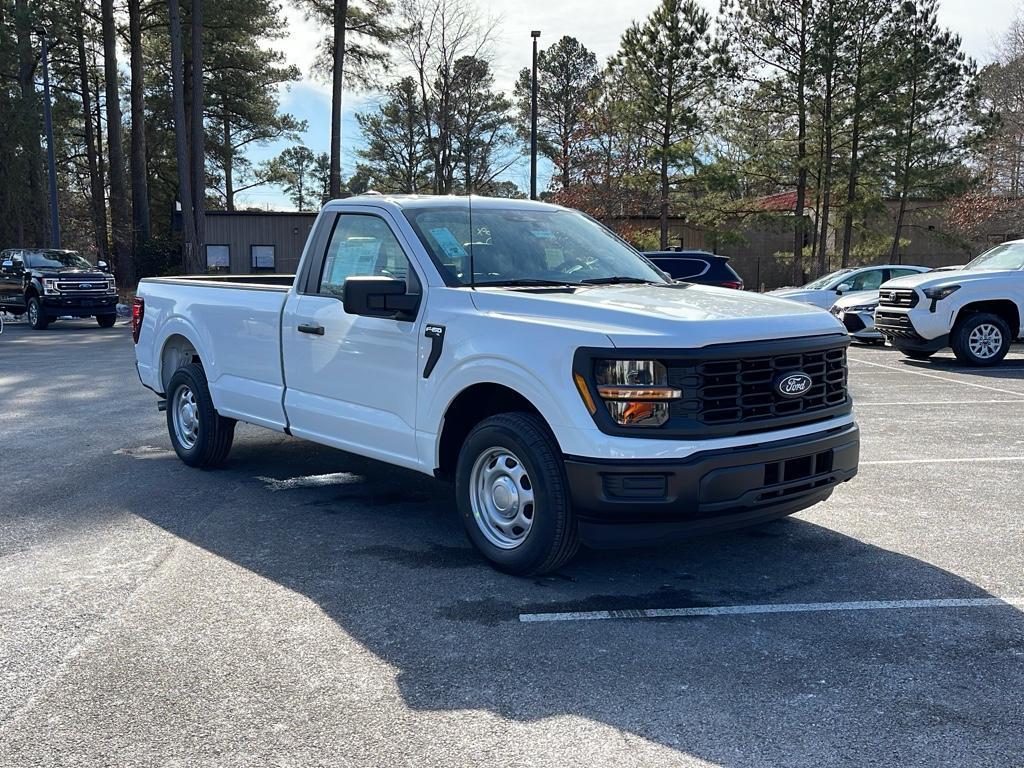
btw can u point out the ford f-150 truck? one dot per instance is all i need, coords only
(570, 390)
(976, 310)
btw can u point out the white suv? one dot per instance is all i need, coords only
(975, 310)
(824, 291)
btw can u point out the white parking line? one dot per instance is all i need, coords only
(310, 481)
(935, 376)
(861, 404)
(743, 610)
(968, 460)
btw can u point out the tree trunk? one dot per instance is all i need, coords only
(97, 202)
(854, 175)
(229, 167)
(35, 218)
(801, 152)
(120, 215)
(198, 129)
(337, 90)
(192, 260)
(826, 173)
(894, 254)
(140, 179)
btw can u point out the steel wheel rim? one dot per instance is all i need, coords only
(33, 312)
(185, 417)
(501, 495)
(985, 341)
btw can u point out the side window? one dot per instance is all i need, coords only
(363, 245)
(867, 281)
(218, 257)
(683, 269)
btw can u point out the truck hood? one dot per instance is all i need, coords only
(948, 277)
(77, 274)
(684, 315)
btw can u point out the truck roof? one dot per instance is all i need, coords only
(443, 201)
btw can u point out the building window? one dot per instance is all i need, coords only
(262, 257)
(218, 258)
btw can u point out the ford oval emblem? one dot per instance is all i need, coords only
(85, 286)
(793, 384)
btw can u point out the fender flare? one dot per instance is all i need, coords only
(178, 325)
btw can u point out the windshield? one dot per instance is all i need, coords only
(823, 282)
(527, 247)
(1008, 256)
(58, 259)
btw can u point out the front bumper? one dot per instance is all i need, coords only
(79, 306)
(624, 502)
(913, 329)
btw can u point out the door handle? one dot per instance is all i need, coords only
(316, 330)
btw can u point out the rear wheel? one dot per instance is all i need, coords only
(201, 437)
(512, 495)
(37, 318)
(980, 339)
(106, 321)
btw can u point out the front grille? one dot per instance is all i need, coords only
(75, 286)
(740, 393)
(895, 324)
(898, 297)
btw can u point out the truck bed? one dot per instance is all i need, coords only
(236, 320)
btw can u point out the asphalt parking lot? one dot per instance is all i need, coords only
(303, 607)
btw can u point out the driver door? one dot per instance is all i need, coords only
(351, 379)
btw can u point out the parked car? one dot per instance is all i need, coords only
(976, 310)
(697, 267)
(47, 284)
(824, 291)
(856, 311)
(568, 389)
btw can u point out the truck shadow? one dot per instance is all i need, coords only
(383, 556)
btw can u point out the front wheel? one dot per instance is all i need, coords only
(106, 321)
(512, 495)
(37, 318)
(201, 437)
(981, 339)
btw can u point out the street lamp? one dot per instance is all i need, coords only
(51, 160)
(533, 119)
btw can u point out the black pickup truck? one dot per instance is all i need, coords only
(48, 284)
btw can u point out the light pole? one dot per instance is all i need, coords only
(48, 119)
(533, 119)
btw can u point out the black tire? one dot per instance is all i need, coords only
(106, 321)
(553, 537)
(997, 330)
(37, 316)
(213, 435)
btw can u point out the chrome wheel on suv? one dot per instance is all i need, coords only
(985, 341)
(501, 495)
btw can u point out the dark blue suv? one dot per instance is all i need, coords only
(697, 267)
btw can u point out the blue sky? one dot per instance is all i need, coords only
(598, 24)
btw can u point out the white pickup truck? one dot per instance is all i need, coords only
(570, 390)
(976, 310)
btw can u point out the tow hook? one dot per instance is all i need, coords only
(161, 405)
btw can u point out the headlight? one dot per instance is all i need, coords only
(938, 294)
(111, 286)
(635, 392)
(50, 285)
(862, 308)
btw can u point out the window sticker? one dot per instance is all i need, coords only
(449, 244)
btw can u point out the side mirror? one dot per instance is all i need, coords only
(102, 266)
(379, 297)
(843, 288)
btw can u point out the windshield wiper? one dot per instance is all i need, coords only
(520, 282)
(618, 280)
